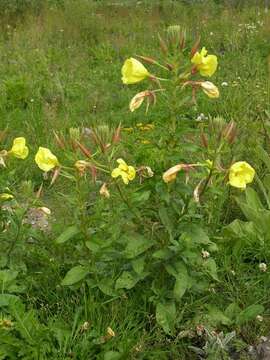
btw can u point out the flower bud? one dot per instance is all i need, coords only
(210, 89)
(204, 140)
(81, 166)
(163, 45)
(84, 150)
(229, 132)
(146, 59)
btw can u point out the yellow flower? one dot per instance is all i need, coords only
(45, 159)
(170, 174)
(126, 172)
(19, 149)
(241, 174)
(6, 196)
(133, 71)
(206, 64)
(210, 89)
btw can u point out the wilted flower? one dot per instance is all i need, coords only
(104, 191)
(6, 323)
(138, 99)
(45, 159)
(206, 64)
(210, 89)
(205, 254)
(263, 267)
(133, 71)
(126, 172)
(170, 174)
(85, 326)
(81, 166)
(110, 332)
(19, 149)
(241, 174)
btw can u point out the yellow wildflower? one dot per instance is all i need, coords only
(210, 89)
(6, 196)
(241, 174)
(145, 142)
(170, 174)
(19, 149)
(206, 64)
(128, 129)
(133, 71)
(126, 172)
(45, 159)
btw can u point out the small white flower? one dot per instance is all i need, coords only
(224, 83)
(259, 318)
(205, 254)
(263, 267)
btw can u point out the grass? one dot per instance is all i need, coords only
(60, 68)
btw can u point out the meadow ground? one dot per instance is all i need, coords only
(154, 276)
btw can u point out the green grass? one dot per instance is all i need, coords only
(60, 67)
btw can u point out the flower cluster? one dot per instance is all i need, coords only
(181, 75)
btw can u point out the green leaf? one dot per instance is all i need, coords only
(164, 217)
(211, 267)
(75, 275)
(232, 311)
(112, 355)
(249, 313)
(263, 155)
(136, 245)
(162, 254)
(217, 317)
(68, 234)
(179, 271)
(106, 285)
(138, 265)
(8, 299)
(253, 199)
(7, 276)
(126, 280)
(165, 316)
(141, 197)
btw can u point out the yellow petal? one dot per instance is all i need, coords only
(133, 71)
(131, 173)
(116, 172)
(19, 149)
(45, 159)
(6, 196)
(241, 174)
